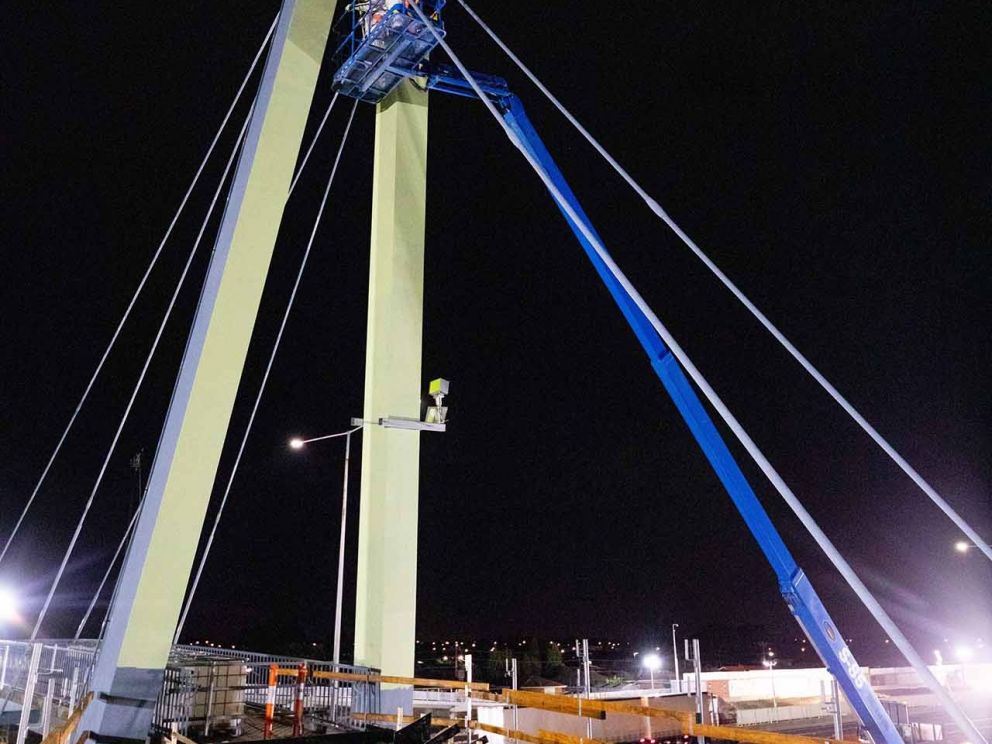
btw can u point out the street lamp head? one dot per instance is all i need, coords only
(963, 653)
(8, 606)
(961, 546)
(296, 443)
(651, 662)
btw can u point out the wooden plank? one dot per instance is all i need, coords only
(387, 718)
(451, 684)
(619, 706)
(560, 738)
(62, 733)
(553, 703)
(752, 736)
(510, 733)
(448, 684)
(590, 708)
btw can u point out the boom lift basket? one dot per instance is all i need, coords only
(385, 44)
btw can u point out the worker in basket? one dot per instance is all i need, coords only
(374, 11)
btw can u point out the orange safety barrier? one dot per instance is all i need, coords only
(270, 701)
(301, 686)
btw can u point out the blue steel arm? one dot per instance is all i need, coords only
(795, 587)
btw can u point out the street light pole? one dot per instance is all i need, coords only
(344, 523)
(296, 444)
(675, 655)
(769, 664)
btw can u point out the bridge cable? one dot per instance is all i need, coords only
(113, 561)
(141, 376)
(863, 593)
(137, 292)
(265, 376)
(316, 136)
(660, 212)
(134, 517)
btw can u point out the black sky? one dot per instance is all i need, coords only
(833, 160)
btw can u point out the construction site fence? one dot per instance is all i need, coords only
(43, 682)
(210, 687)
(203, 689)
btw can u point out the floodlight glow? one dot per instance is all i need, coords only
(961, 546)
(651, 662)
(296, 443)
(8, 605)
(963, 653)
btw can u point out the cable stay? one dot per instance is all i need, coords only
(113, 562)
(641, 317)
(141, 377)
(134, 517)
(137, 292)
(316, 136)
(779, 336)
(268, 366)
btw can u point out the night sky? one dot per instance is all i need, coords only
(834, 161)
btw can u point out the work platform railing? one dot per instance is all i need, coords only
(205, 690)
(42, 683)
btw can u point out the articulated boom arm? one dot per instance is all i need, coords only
(795, 587)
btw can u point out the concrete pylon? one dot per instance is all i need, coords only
(129, 670)
(386, 603)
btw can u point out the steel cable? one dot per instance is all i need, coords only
(141, 378)
(863, 593)
(137, 292)
(815, 373)
(265, 377)
(113, 561)
(134, 517)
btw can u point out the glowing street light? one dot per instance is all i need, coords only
(770, 664)
(651, 662)
(963, 653)
(298, 443)
(8, 606)
(963, 547)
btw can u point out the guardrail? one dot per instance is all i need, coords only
(203, 689)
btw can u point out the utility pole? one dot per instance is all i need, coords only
(698, 669)
(838, 713)
(468, 696)
(583, 653)
(675, 655)
(513, 681)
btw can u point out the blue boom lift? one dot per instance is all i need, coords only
(383, 66)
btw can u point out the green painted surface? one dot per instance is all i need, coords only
(386, 605)
(169, 558)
